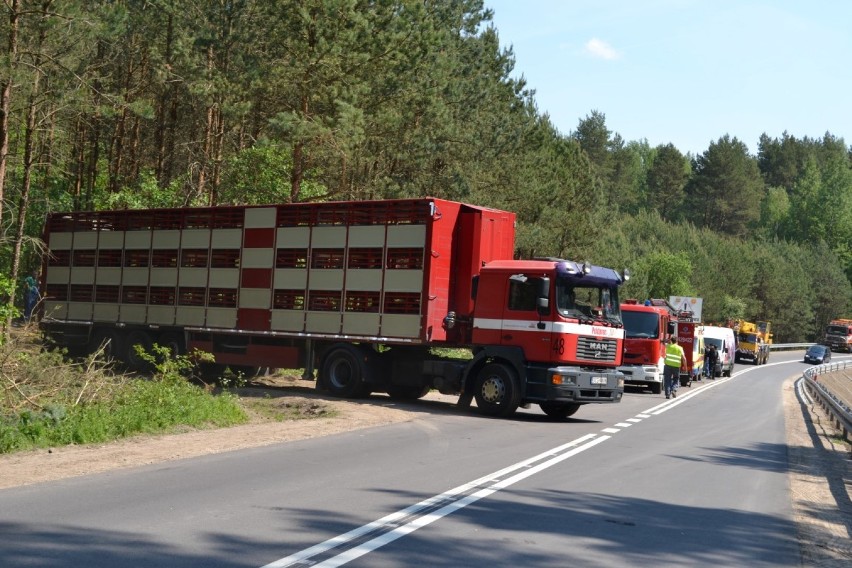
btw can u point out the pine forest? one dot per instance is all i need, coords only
(176, 103)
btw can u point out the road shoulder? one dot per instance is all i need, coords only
(820, 482)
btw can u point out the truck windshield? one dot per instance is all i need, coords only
(588, 303)
(641, 325)
(837, 330)
(748, 337)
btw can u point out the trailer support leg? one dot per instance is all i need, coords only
(308, 374)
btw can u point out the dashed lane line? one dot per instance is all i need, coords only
(360, 541)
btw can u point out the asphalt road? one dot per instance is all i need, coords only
(700, 480)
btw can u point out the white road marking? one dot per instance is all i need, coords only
(408, 520)
(454, 498)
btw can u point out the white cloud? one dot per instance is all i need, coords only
(600, 49)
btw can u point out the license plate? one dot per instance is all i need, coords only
(598, 380)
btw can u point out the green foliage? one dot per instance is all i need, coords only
(774, 211)
(8, 309)
(732, 309)
(726, 189)
(666, 179)
(667, 274)
(254, 101)
(84, 403)
(144, 193)
(262, 174)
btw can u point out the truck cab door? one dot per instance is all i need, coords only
(527, 322)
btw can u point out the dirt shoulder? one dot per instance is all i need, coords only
(319, 416)
(820, 482)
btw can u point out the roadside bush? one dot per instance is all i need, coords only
(51, 401)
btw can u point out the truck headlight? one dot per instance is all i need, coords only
(557, 379)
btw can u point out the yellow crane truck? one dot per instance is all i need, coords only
(753, 341)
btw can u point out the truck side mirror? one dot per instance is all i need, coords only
(671, 328)
(543, 300)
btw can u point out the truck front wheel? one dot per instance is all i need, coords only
(344, 371)
(559, 411)
(497, 391)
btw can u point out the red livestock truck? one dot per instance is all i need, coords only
(361, 292)
(647, 328)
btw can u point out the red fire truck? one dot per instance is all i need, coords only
(690, 336)
(647, 328)
(361, 292)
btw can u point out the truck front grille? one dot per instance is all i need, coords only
(595, 349)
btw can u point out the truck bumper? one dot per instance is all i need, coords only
(746, 356)
(573, 384)
(641, 375)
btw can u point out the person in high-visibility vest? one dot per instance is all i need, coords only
(675, 359)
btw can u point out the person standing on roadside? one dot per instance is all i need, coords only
(711, 360)
(31, 297)
(675, 360)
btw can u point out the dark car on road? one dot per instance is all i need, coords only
(818, 354)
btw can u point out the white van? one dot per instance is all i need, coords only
(723, 339)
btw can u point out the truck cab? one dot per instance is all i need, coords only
(838, 335)
(557, 323)
(647, 330)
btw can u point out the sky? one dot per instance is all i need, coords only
(686, 72)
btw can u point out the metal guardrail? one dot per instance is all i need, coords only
(840, 412)
(788, 346)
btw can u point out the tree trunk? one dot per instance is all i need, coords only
(298, 172)
(29, 146)
(163, 107)
(208, 137)
(6, 97)
(78, 159)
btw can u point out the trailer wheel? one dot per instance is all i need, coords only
(131, 357)
(407, 392)
(497, 391)
(344, 372)
(174, 341)
(107, 339)
(559, 411)
(211, 371)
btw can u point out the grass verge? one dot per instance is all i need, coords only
(50, 401)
